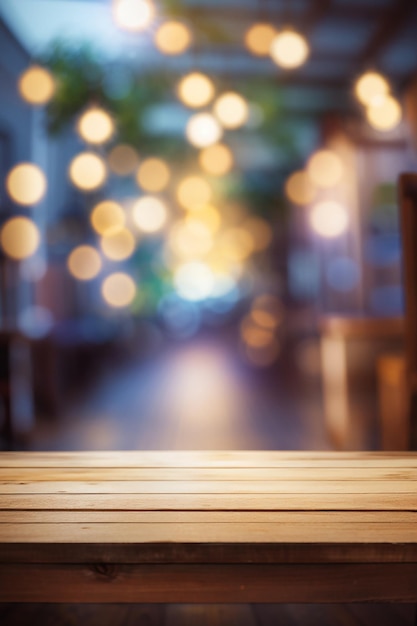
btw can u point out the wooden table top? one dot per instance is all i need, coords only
(216, 505)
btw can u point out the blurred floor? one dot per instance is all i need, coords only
(197, 395)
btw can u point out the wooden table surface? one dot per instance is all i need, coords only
(208, 527)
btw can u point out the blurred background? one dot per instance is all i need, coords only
(199, 230)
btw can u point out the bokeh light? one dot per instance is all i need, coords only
(133, 15)
(107, 217)
(203, 130)
(329, 219)
(26, 184)
(325, 169)
(118, 246)
(209, 216)
(20, 238)
(118, 290)
(216, 160)
(370, 85)
(190, 239)
(236, 244)
(149, 214)
(153, 174)
(231, 109)
(88, 171)
(173, 38)
(299, 188)
(289, 49)
(194, 281)
(194, 192)
(84, 262)
(95, 126)
(36, 85)
(384, 113)
(123, 159)
(196, 90)
(259, 37)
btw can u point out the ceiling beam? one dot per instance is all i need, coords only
(391, 22)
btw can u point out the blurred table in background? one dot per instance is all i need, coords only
(350, 348)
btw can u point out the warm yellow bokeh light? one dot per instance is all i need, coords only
(384, 113)
(119, 246)
(84, 262)
(264, 319)
(153, 174)
(216, 160)
(190, 239)
(299, 188)
(123, 159)
(88, 171)
(36, 85)
(369, 86)
(259, 37)
(118, 290)
(26, 184)
(231, 109)
(194, 192)
(20, 238)
(95, 126)
(133, 15)
(149, 214)
(210, 216)
(261, 232)
(107, 218)
(329, 219)
(325, 169)
(173, 38)
(289, 49)
(203, 130)
(253, 335)
(236, 244)
(196, 90)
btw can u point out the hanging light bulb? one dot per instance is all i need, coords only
(370, 85)
(329, 219)
(133, 15)
(203, 130)
(217, 159)
(231, 110)
(289, 49)
(384, 113)
(325, 168)
(259, 37)
(196, 90)
(36, 85)
(26, 184)
(173, 38)
(95, 126)
(87, 171)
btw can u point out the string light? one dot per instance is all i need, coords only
(149, 214)
(329, 219)
(26, 184)
(118, 246)
(194, 192)
(84, 263)
(133, 15)
(20, 238)
(88, 171)
(153, 174)
(216, 159)
(123, 159)
(173, 38)
(325, 168)
(36, 85)
(107, 218)
(259, 37)
(232, 110)
(203, 130)
(370, 85)
(384, 113)
(95, 126)
(299, 188)
(196, 90)
(289, 49)
(118, 290)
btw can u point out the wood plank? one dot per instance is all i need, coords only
(222, 502)
(246, 533)
(209, 517)
(209, 583)
(27, 474)
(208, 459)
(210, 487)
